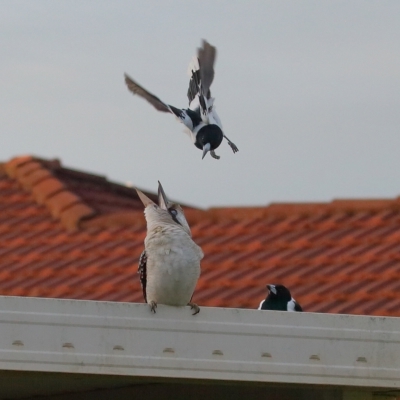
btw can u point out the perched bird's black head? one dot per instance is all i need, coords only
(279, 292)
(279, 298)
(208, 138)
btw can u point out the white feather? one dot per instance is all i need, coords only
(291, 305)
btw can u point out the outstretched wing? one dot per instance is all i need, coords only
(201, 72)
(194, 83)
(135, 88)
(206, 56)
(142, 271)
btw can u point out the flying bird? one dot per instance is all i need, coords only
(169, 266)
(201, 120)
(279, 298)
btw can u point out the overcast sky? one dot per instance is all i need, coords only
(308, 90)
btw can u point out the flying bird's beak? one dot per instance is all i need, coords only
(206, 149)
(145, 200)
(163, 201)
(271, 288)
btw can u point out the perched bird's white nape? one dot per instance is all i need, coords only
(169, 266)
(200, 119)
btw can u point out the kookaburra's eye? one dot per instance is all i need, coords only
(173, 211)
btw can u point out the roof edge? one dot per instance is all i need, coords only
(78, 335)
(345, 206)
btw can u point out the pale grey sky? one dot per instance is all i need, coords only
(308, 90)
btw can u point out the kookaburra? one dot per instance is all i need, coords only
(169, 266)
(279, 298)
(201, 120)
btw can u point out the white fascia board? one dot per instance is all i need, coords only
(71, 336)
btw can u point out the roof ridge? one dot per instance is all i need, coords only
(44, 179)
(345, 206)
(35, 175)
(56, 168)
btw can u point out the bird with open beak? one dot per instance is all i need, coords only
(169, 266)
(201, 120)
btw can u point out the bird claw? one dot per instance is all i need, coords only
(194, 307)
(233, 146)
(153, 306)
(213, 155)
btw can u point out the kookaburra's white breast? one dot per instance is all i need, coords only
(173, 265)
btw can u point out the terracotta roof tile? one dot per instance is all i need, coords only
(47, 188)
(61, 202)
(72, 216)
(17, 162)
(66, 233)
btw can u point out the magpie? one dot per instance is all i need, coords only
(279, 298)
(201, 120)
(169, 266)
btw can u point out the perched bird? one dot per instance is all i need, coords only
(169, 267)
(279, 298)
(201, 120)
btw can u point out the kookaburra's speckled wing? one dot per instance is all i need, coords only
(143, 273)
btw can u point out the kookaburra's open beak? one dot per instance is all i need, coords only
(145, 200)
(206, 149)
(163, 201)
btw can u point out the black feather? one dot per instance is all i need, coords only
(209, 134)
(135, 88)
(142, 271)
(194, 85)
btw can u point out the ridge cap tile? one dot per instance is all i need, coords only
(12, 165)
(61, 201)
(36, 176)
(47, 188)
(72, 216)
(27, 168)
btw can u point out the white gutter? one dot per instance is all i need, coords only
(70, 336)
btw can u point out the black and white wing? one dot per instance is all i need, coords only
(188, 117)
(159, 105)
(201, 72)
(206, 56)
(142, 271)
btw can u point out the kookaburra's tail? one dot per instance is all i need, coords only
(201, 72)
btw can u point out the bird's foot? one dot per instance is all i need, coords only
(233, 146)
(153, 306)
(213, 155)
(194, 307)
